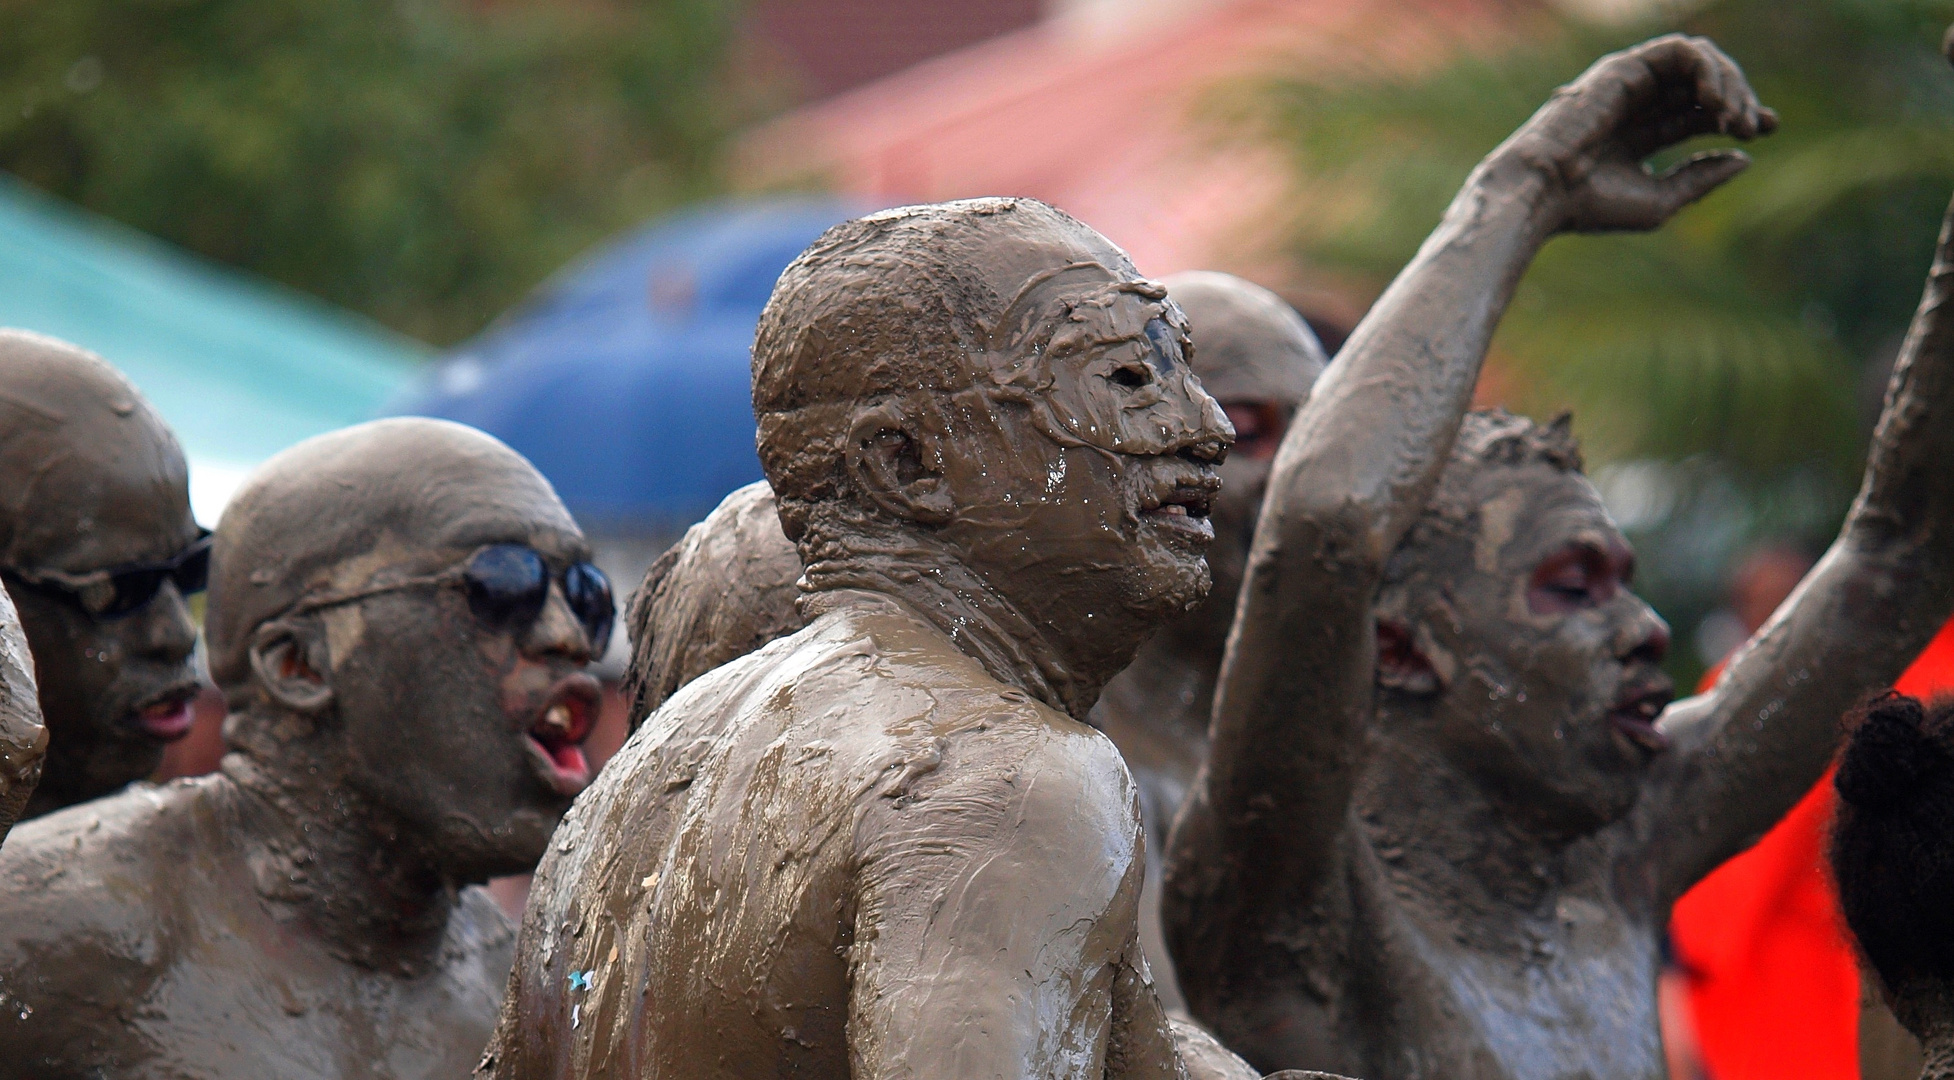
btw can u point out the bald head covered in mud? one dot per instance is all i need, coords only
(729, 586)
(1448, 803)
(99, 550)
(884, 845)
(401, 651)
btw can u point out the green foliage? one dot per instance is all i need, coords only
(1732, 344)
(423, 161)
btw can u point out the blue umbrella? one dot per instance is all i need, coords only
(627, 379)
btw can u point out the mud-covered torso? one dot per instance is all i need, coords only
(707, 904)
(1381, 979)
(135, 946)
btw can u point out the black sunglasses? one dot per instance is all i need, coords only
(121, 591)
(507, 586)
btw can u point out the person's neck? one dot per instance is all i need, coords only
(1444, 840)
(1167, 693)
(1063, 666)
(322, 854)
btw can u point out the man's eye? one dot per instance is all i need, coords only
(1131, 376)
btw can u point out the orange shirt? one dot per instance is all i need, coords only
(1772, 979)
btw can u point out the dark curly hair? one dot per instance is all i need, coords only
(1892, 846)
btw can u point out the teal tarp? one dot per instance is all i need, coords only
(240, 367)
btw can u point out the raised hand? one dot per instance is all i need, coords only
(23, 738)
(1593, 139)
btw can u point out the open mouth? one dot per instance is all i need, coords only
(1636, 715)
(556, 736)
(167, 716)
(1185, 509)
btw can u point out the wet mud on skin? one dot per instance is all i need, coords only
(23, 738)
(885, 844)
(1446, 811)
(308, 911)
(91, 478)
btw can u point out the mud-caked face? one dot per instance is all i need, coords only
(1104, 459)
(467, 731)
(1259, 426)
(1546, 665)
(114, 690)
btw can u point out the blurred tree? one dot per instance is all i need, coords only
(1715, 366)
(423, 161)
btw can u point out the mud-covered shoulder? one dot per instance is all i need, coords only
(107, 851)
(85, 919)
(980, 767)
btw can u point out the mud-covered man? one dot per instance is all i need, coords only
(886, 845)
(1448, 804)
(98, 549)
(728, 587)
(399, 618)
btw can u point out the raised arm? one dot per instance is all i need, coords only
(23, 739)
(1744, 752)
(1358, 465)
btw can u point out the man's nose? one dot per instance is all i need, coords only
(556, 632)
(165, 630)
(1643, 635)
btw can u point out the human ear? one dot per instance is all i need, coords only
(1401, 664)
(898, 464)
(283, 657)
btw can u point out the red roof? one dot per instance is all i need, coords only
(834, 45)
(1115, 127)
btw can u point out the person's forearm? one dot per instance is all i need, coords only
(1379, 420)
(1755, 744)
(1907, 501)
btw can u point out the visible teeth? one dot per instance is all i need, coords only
(558, 717)
(1174, 508)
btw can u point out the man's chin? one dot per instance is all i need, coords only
(1170, 584)
(515, 848)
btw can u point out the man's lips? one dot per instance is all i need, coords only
(1184, 508)
(555, 738)
(1636, 715)
(168, 716)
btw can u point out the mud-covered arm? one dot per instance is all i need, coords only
(996, 908)
(1357, 467)
(23, 738)
(1744, 752)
